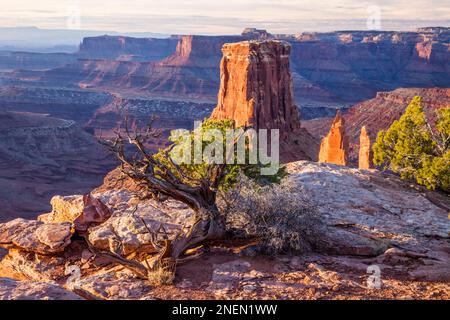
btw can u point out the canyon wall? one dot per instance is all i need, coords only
(41, 156)
(329, 70)
(10, 61)
(126, 48)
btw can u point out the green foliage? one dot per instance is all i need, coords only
(199, 169)
(413, 149)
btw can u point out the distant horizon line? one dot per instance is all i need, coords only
(413, 29)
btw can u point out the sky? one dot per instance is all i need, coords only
(222, 16)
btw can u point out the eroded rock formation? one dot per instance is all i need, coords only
(256, 86)
(256, 91)
(334, 147)
(365, 152)
(380, 112)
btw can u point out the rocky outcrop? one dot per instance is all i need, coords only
(369, 212)
(371, 220)
(365, 150)
(256, 91)
(35, 236)
(334, 147)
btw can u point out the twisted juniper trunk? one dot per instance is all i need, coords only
(216, 228)
(162, 177)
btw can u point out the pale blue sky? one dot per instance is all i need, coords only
(221, 17)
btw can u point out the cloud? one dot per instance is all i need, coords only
(218, 17)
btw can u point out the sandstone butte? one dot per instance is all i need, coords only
(365, 154)
(256, 91)
(334, 147)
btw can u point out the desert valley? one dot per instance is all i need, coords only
(74, 226)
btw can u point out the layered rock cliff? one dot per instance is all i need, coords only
(126, 48)
(256, 87)
(256, 91)
(329, 69)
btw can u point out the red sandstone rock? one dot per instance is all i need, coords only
(334, 147)
(365, 154)
(256, 86)
(380, 112)
(94, 213)
(256, 91)
(83, 211)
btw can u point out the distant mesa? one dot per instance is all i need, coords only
(256, 33)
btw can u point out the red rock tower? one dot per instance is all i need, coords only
(334, 147)
(256, 86)
(256, 90)
(365, 154)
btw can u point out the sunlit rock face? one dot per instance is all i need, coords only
(334, 147)
(365, 154)
(256, 86)
(379, 113)
(256, 91)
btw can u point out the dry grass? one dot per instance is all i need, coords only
(278, 214)
(161, 277)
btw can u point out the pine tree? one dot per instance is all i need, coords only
(412, 148)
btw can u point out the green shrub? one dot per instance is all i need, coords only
(200, 170)
(415, 150)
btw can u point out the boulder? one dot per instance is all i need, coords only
(83, 211)
(126, 228)
(36, 236)
(367, 212)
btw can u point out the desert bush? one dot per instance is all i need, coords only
(161, 277)
(279, 215)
